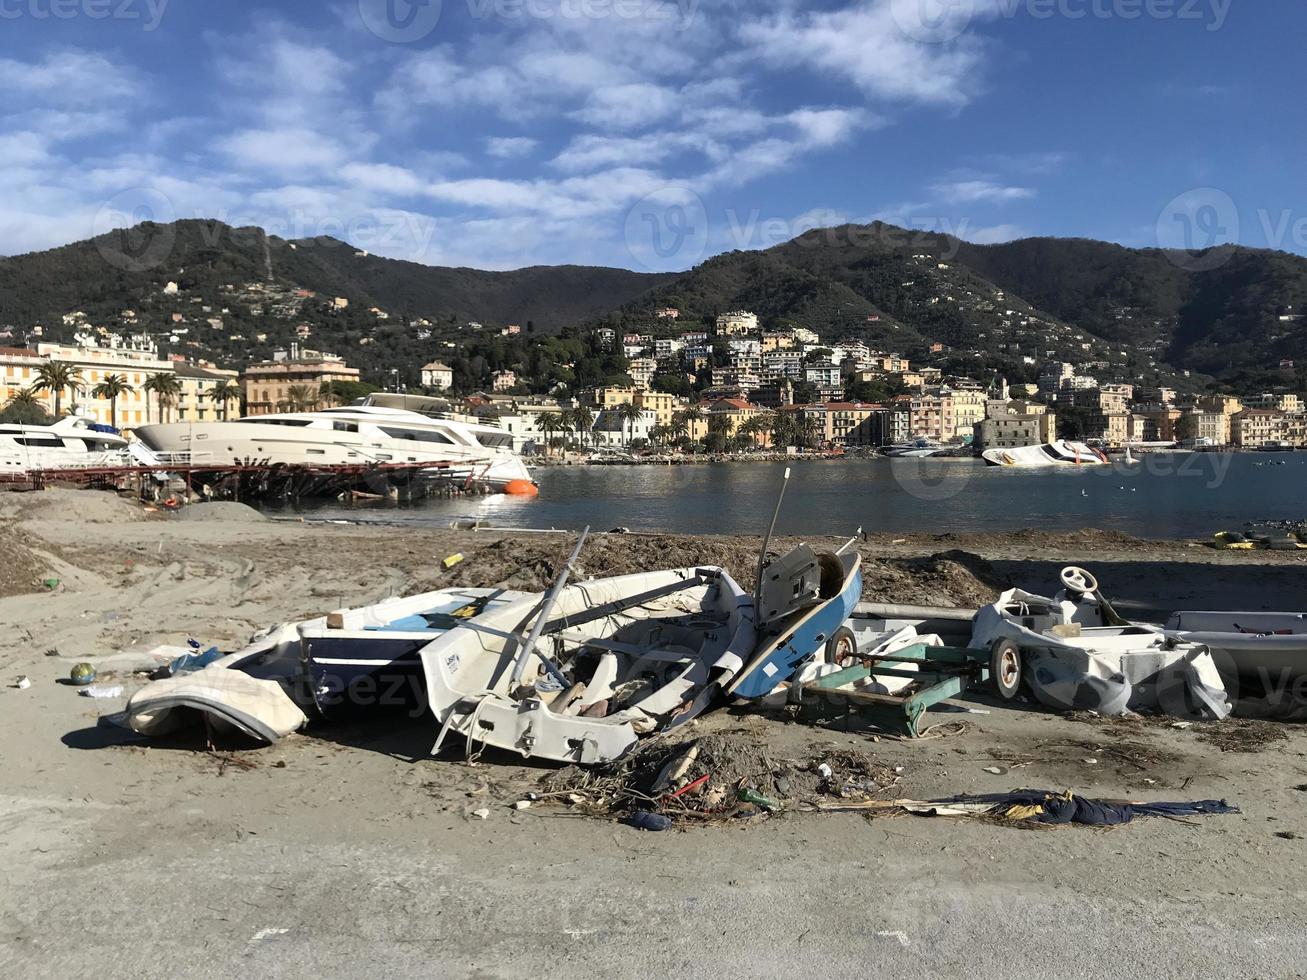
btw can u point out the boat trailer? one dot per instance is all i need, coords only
(936, 673)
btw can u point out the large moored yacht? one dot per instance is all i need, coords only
(353, 435)
(70, 443)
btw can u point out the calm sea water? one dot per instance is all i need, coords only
(1162, 496)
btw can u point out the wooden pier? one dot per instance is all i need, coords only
(264, 482)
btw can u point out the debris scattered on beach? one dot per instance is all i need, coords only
(1243, 735)
(728, 775)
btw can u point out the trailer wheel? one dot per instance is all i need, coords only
(1005, 669)
(842, 647)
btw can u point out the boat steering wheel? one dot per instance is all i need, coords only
(1076, 579)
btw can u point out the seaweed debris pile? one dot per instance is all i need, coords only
(716, 778)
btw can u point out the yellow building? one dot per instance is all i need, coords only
(663, 405)
(135, 365)
(194, 404)
(267, 386)
(18, 367)
(735, 412)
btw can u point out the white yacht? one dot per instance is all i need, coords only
(352, 435)
(916, 449)
(71, 443)
(1060, 453)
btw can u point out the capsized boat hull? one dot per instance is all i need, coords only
(1054, 454)
(328, 667)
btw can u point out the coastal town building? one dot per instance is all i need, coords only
(730, 414)
(737, 324)
(1204, 428)
(267, 386)
(642, 370)
(437, 375)
(1291, 404)
(133, 359)
(198, 401)
(857, 423)
(1257, 428)
(503, 380)
(1010, 432)
(18, 370)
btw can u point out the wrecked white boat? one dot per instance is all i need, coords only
(1257, 652)
(580, 675)
(1075, 653)
(326, 667)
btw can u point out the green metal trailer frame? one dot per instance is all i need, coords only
(942, 673)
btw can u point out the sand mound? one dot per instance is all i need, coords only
(21, 570)
(221, 510)
(956, 578)
(62, 504)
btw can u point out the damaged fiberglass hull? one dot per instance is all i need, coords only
(619, 658)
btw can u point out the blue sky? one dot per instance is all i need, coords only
(653, 133)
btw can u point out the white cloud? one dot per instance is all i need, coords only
(283, 150)
(973, 191)
(69, 78)
(867, 45)
(629, 106)
(510, 147)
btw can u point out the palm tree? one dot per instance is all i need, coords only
(629, 413)
(683, 422)
(25, 398)
(811, 432)
(659, 433)
(166, 387)
(113, 387)
(549, 423)
(581, 419)
(56, 377)
(302, 398)
(223, 394)
(751, 428)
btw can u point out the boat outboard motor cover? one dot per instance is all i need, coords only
(789, 584)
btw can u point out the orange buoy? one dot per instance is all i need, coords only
(521, 488)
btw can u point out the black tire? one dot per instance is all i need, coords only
(1006, 669)
(842, 647)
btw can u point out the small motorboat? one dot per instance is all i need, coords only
(916, 449)
(324, 668)
(1076, 653)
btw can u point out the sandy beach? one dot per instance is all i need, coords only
(349, 849)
